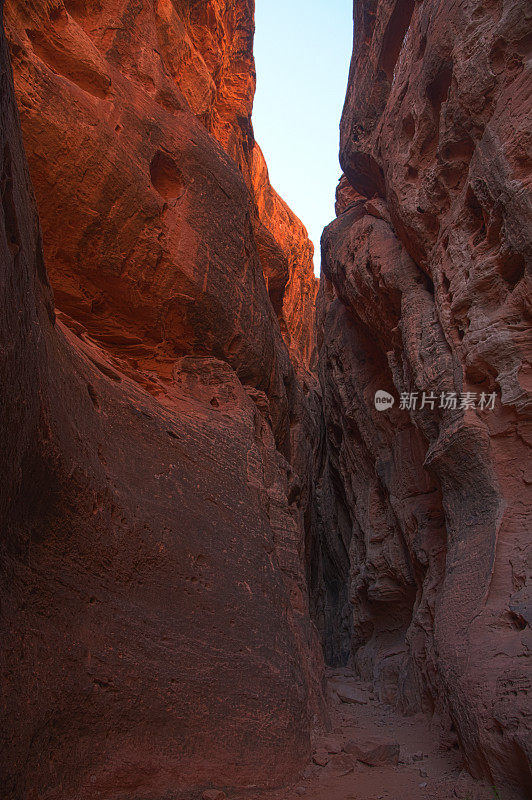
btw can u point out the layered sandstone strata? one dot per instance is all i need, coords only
(426, 288)
(156, 468)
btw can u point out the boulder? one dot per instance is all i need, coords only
(374, 751)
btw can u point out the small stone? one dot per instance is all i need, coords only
(423, 773)
(321, 758)
(300, 791)
(375, 752)
(348, 694)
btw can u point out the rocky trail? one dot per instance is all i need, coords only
(374, 753)
(371, 752)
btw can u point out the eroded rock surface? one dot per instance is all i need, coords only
(173, 480)
(423, 535)
(156, 475)
(137, 124)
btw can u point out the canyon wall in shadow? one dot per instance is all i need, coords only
(426, 288)
(157, 466)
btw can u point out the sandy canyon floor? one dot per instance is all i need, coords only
(364, 728)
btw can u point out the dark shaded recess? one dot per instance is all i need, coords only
(438, 87)
(409, 126)
(394, 35)
(246, 128)
(510, 263)
(335, 571)
(276, 295)
(511, 267)
(166, 177)
(461, 149)
(8, 205)
(326, 551)
(365, 175)
(328, 570)
(475, 217)
(422, 47)
(313, 518)
(485, 227)
(37, 503)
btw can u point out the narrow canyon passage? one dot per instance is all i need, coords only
(263, 536)
(375, 753)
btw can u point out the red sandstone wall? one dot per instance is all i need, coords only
(156, 634)
(132, 203)
(426, 287)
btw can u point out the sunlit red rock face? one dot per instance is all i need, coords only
(156, 634)
(144, 217)
(286, 256)
(426, 288)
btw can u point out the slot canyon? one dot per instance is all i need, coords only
(225, 572)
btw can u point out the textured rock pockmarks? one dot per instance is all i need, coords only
(424, 290)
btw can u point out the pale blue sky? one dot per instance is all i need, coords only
(302, 51)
